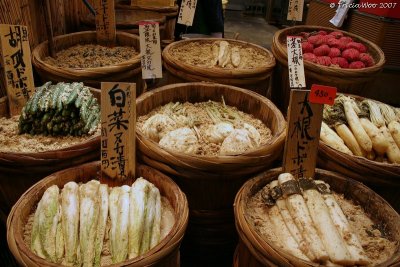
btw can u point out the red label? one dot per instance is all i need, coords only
(321, 94)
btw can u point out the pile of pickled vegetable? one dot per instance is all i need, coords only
(307, 220)
(61, 109)
(93, 225)
(92, 56)
(221, 54)
(204, 128)
(365, 128)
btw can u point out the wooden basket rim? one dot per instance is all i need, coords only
(90, 19)
(38, 61)
(217, 72)
(261, 243)
(280, 52)
(229, 81)
(173, 238)
(276, 140)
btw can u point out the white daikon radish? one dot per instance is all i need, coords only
(330, 237)
(299, 212)
(350, 140)
(235, 56)
(340, 221)
(288, 242)
(290, 224)
(215, 53)
(330, 137)
(223, 52)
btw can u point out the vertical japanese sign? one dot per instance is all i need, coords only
(295, 10)
(186, 13)
(302, 136)
(118, 123)
(16, 60)
(105, 21)
(150, 50)
(295, 62)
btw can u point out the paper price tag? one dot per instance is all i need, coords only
(295, 62)
(150, 50)
(118, 124)
(321, 94)
(186, 13)
(302, 135)
(105, 21)
(16, 60)
(295, 10)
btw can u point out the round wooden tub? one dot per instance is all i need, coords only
(256, 79)
(211, 183)
(352, 81)
(165, 254)
(256, 251)
(127, 71)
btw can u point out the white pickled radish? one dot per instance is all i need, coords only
(299, 212)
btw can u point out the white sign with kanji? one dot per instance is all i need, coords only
(295, 62)
(150, 50)
(186, 13)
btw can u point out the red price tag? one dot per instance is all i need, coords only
(321, 94)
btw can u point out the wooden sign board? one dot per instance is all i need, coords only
(16, 60)
(118, 124)
(186, 12)
(295, 10)
(105, 21)
(302, 136)
(150, 49)
(295, 62)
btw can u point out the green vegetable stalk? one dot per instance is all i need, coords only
(61, 109)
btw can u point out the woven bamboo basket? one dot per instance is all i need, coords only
(211, 183)
(165, 254)
(127, 71)
(257, 251)
(19, 171)
(257, 79)
(127, 20)
(219, 176)
(383, 178)
(345, 80)
(170, 14)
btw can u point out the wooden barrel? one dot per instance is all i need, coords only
(127, 71)
(165, 254)
(211, 183)
(127, 20)
(257, 252)
(19, 171)
(170, 13)
(256, 79)
(352, 81)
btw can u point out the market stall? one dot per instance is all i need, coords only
(123, 146)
